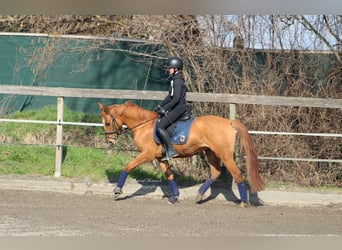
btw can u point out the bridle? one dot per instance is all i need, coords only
(116, 129)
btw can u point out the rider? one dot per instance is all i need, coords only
(173, 106)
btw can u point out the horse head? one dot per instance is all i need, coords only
(120, 116)
(112, 123)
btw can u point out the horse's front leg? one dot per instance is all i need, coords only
(140, 159)
(172, 183)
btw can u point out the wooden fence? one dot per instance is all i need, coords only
(159, 95)
(232, 99)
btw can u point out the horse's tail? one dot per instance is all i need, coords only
(254, 179)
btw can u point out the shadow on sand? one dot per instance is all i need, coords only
(223, 187)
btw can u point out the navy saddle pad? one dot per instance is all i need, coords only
(180, 132)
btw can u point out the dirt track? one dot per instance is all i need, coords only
(31, 213)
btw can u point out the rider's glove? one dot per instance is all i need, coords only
(159, 110)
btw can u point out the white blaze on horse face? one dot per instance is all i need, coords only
(104, 123)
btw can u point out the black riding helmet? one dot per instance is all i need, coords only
(174, 62)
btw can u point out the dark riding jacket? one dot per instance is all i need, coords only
(176, 99)
(174, 104)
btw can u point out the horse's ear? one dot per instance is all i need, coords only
(102, 107)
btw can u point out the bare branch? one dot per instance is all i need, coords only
(309, 26)
(334, 34)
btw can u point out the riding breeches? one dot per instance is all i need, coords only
(170, 117)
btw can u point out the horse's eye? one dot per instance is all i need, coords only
(105, 123)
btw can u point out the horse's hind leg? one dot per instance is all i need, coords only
(215, 172)
(229, 163)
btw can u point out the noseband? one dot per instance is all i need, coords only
(115, 129)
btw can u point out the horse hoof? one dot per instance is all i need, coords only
(243, 204)
(172, 200)
(199, 198)
(117, 192)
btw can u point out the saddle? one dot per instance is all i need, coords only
(179, 130)
(186, 116)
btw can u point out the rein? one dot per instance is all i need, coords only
(142, 123)
(125, 128)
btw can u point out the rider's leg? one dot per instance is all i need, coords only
(166, 140)
(162, 124)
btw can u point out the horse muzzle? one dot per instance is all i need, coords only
(111, 137)
(111, 141)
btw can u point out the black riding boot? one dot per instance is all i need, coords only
(170, 151)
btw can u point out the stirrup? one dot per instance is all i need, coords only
(168, 157)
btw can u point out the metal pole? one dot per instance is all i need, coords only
(59, 136)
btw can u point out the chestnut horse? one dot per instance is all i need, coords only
(213, 134)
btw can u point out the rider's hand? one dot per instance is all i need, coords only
(159, 110)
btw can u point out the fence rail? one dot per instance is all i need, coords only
(251, 132)
(89, 124)
(159, 95)
(233, 99)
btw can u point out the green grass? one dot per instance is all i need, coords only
(19, 131)
(92, 163)
(98, 164)
(22, 160)
(18, 155)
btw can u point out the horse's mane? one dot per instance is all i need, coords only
(143, 114)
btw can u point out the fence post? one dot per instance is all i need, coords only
(232, 116)
(232, 111)
(59, 136)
